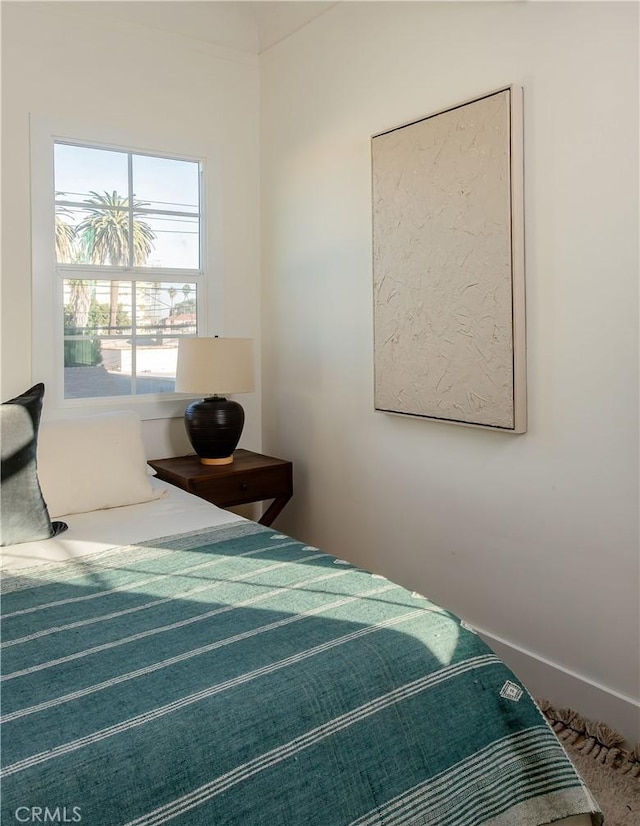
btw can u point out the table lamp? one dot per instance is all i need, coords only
(213, 367)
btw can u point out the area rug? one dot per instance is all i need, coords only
(611, 772)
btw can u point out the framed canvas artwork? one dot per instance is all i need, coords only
(448, 265)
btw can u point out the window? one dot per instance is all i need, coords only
(128, 267)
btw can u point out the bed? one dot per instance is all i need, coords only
(169, 661)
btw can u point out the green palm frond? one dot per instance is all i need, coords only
(65, 238)
(105, 231)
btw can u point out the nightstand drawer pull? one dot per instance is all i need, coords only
(244, 486)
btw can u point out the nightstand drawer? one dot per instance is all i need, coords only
(245, 487)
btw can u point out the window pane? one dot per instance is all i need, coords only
(95, 235)
(67, 219)
(156, 358)
(97, 338)
(163, 307)
(164, 312)
(176, 240)
(87, 378)
(167, 184)
(80, 170)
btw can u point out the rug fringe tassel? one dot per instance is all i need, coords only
(632, 763)
(599, 741)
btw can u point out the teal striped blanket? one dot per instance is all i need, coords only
(237, 677)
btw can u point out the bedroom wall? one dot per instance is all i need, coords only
(533, 538)
(73, 61)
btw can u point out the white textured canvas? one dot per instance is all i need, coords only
(443, 266)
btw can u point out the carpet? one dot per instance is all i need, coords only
(611, 773)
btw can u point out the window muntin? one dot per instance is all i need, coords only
(129, 267)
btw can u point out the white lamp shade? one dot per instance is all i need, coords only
(215, 366)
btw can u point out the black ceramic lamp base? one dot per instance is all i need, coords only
(214, 426)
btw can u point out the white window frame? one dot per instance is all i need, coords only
(47, 275)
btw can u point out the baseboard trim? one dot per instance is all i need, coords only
(565, 688)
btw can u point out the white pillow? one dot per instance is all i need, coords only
(93, 462)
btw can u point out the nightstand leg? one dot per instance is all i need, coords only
(273, 510)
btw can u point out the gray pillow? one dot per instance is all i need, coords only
(23, 513)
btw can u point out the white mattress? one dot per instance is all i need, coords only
(175, 512)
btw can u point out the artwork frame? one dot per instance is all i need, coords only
(448, 265)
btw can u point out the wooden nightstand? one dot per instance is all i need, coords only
(250, 478)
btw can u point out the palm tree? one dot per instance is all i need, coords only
(105, 237)
(79, 303)
(66, 252)
(65, 237)
(104, 233)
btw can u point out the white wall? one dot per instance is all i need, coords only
(532, 538)
(64, 61)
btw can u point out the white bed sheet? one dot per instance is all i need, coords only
(175, 512)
